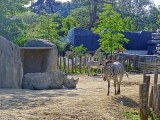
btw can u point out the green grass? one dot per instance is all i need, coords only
(134, 115)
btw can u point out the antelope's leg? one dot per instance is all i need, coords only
(115, 86)
(118, 83)
(108, 87)
(118, 91)
(89, 69)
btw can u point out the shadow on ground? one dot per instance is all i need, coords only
(128, 102)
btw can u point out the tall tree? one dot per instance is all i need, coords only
(136, 9)
(81, 15)
(93, 9)
(158, 21)
(128, 24)
(11, 26)
(40, 5)
(110, 28)
(151, 18)
(68, 23)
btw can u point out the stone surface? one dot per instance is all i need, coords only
(47, 80)
(11, 71)
(39, 56)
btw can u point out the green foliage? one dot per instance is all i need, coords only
(158, 21)
(98, 54)
(45, 27)
(70, 54)
(79, 50)
(134, 115)
(109, 27)
(128, 24)
(68, 23)
(81, 15)
(11, 26)
(21, 41)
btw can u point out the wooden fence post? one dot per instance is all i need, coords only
(129, 62)
(68, 64)
(151, 101)
(80, 64)
(64, 63)
(72, 65)
(143, 102)
(143, 93)
(156, 100)
(144, 75)
(85, 61)
(156, 76)
(60, 64)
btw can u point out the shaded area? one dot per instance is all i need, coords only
(18, 99)
(126, 101)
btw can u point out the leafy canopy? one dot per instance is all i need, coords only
(158, 21)
(68, 23)
(110, 27)
(78, 50)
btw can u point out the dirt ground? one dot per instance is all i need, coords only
(88, 102)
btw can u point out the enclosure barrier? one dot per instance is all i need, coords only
(131, 62)
(149, 104)
(139, 62)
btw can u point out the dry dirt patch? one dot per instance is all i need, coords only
(88, 102)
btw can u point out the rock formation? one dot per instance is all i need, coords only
(39, 56)
(11, 71)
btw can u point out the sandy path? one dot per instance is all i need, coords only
(88, 102)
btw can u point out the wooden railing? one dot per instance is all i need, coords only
(149, 104)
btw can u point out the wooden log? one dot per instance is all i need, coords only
(143, 102)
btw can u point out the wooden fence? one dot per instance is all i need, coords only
(140, 62)
(131, 62)
(76, 64)
(149, 104)
(72, 65)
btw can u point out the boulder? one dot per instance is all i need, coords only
(11, 71)
(48, 80)
(39, 56)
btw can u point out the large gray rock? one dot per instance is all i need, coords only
(47, 80)
(11, 71)
(39, 56)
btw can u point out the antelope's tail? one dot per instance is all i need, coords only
(126, 74)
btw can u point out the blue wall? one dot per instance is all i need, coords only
(78, 36)
(138, 40)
